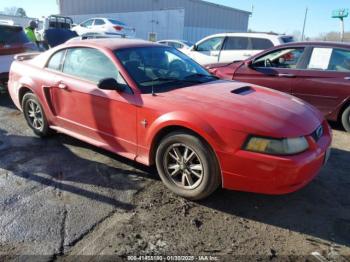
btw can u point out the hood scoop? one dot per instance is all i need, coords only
(243, 91)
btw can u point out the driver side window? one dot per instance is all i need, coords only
(282, 58)
(212, 44)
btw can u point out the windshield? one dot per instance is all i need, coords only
(12, 35)
(188, 43)
(161, 68)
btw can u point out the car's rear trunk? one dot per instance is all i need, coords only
(13, 40)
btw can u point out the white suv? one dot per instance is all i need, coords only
(229, 47)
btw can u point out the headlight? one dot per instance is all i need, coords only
(287, 146)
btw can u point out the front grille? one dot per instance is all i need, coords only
(318, 133)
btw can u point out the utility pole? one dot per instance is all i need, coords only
(305, 18)
(341, 29)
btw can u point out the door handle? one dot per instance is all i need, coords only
(62, 86)
(286, 75)
(347, 78)
(247, 55)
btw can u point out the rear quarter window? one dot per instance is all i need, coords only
(287, 39)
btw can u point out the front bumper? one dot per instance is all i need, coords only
(267, 174)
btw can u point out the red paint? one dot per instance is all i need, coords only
(114, 121)
(329, 91)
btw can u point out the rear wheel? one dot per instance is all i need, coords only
(346, 119)
(187, 166)
(35, 116)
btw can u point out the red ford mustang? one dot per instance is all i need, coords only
(317, 72)
(155, 105)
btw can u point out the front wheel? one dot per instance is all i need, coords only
(35, 116)
(346, 119)
(187, 166)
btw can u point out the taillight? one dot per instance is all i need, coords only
(118, 28)
(12, 49)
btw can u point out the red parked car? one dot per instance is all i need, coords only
(153, 104)
(317, 72)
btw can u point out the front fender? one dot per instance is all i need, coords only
(186, 120)
(336, 113)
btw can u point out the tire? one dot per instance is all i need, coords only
(35, 115)
(345, 119)
(196, 173)
(3, 86)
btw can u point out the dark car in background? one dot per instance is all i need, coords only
(317, 72)
(13, 41)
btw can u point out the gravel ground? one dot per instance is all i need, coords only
(65, 199)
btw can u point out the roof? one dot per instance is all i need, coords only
(112, 43)
(248, 34)
(319, 43)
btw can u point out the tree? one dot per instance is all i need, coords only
(332, 36)
(15, 11)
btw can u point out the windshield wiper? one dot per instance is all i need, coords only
(198, 75)
(164, 79)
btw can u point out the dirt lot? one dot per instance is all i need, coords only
(64, 199)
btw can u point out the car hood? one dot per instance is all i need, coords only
(248, 108)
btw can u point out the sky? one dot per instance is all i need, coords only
(280, 16)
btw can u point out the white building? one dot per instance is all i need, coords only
(169, 19)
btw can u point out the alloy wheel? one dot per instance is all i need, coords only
(35, 115)
(183, 166)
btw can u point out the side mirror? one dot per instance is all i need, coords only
(110, 84)
(249, 63)
(195, 47)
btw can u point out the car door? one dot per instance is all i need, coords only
(276, 69)
(258, 45)
(85, 27)
(238, 48)
(99, 26)
(208, 51)
(325, 80)
(235, 49)
(105, 117)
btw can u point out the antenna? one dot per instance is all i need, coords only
(152, 53)
(305, 18)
